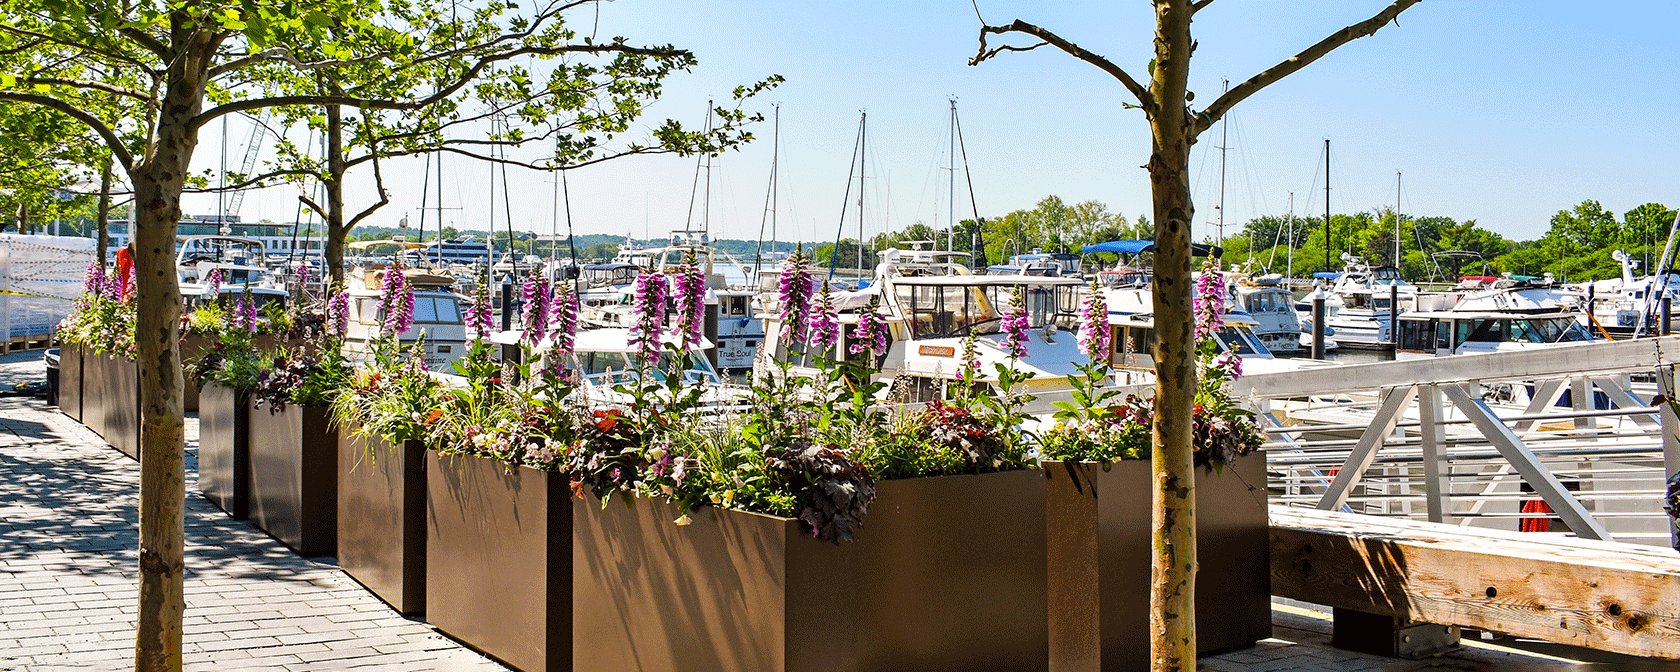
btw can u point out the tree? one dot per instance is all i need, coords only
(146, 77)
(1174, 127)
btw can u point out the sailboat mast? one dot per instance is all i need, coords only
(1291, 254)
(1224, 126)
(769, 199)
(951, 194)
(1397, 219)
(863, 155)
(1327, 245)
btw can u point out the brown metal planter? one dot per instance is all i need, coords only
(1100, 559)
(948, 573)
(111, 405)
(224, 452)
(70, 380)
(499, 560)
(381, 518)
(193, 346)
(294, 477)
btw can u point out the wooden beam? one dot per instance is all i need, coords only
(1599, 595)
(1562, 360)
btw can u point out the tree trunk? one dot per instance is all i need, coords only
(104, 237)
(1172, 618)
(158, 180)
(23, 218)
(334, 184)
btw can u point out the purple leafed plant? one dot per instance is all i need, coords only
(94, 282)
(1208, 303)
(1093, 324)
(398, 302)
(690, 297)
(871, 331)
(1015, 326)
(795, 296)
(534, 314)
(651, 291)
(338, 314)
(825, 322)
(563, 317)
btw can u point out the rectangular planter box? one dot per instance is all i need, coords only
(1100, 541)
(224, 452)
(70, 380)
(382, 518)
(499, 560)
(111, 402)
(294, 477)
(948, 573)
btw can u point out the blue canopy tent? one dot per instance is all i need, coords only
(1137, 246)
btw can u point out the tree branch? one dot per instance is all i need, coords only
(319, 211)
(146, 41)
(1236, 94)
(1199, 5)
(1145, 99)
(118, 151)
(286, 55)
(257, 181)
(384, 197)
(94, 86)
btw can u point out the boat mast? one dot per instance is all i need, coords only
(951, 194)
(770, 199)
(863, 137)
(1397, 219)
(1327, 266)
(845, 204)
(1291, 255)
(1224, 124)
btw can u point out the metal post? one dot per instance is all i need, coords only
(1394, 314)
(507, 303)
(1667, 311)
(1318, 323)
(1670, 447)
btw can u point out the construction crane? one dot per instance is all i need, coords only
(250, 163)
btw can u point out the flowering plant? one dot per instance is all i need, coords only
(301, 378)
(794, 297)
(102, 319)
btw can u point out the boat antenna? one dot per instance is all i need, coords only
(834, 256)
(770, 198)
(979, 234)
(951, 184)
(571, 239)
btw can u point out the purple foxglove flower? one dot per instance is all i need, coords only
(478, 314)
(1015, 326)
(1208, 300)
(1093, 324)
(563, 317)
(825, 322)
(244, 317)
(871, 332)
(690, 297)
(651, 291)
(338, 314)
(398, 302)
(1228, 364)
(534, 314)
(94, 282)
(970, 360)
(213, 283)
(795, 296)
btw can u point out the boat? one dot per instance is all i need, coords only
(1618, 304)
(1272, 306)
(1038, 262)
(1512, 314)
(240, 263)
(460, 250)
(1358, 304)
(1131, 317)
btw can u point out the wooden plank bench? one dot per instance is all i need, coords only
(1416, 577)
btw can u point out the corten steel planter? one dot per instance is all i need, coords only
(193, 346)
(947, 573)
(1100, 560)
(70, 380)
(499, 560)
(224, 452)
(382, 518)
(111, 402)
(294, 477)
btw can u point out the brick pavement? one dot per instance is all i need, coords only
(67, 594)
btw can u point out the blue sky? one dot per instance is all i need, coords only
(1502, 111)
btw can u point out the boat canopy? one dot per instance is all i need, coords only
(1137, 246)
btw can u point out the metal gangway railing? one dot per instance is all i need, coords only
(1483, 440)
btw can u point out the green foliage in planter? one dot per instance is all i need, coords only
(102, 319)
(394, 399)
(505, 411)
(299, 377)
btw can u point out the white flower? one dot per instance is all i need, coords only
(668, 490)
(684, 520)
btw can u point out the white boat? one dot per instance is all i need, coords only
(241, 266)
(1276, 325)
(1510, 315)
(1358, 307)
(1618, 304)
(1131, 316)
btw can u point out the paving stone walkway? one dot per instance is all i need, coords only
(67, 581)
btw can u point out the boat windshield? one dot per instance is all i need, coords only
(1234, 341)
(940, 311)
(1536, 330)
(611, 367)
(221, 250)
